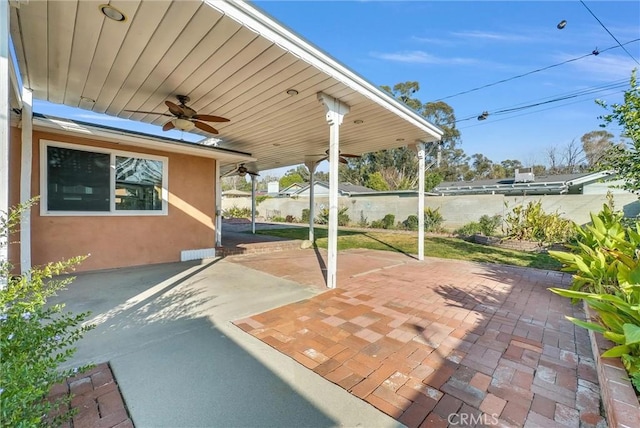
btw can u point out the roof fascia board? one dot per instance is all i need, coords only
(589, 177)
(250, 17)
(64, 127)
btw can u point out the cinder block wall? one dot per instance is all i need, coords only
(456, 210)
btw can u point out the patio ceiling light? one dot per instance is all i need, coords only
(292, 92)
(112, 13)
(358, 121)
(183, 124)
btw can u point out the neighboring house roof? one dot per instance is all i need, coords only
(343, 188)
(544, 184)
(292, 188)
(235, 193)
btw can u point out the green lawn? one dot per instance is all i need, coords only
(434, 246)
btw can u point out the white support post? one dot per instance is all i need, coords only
(25, 179)
(421, 155)
(253, 204)
(334, 114)
(4, 125)
(311, 166)
(218, 197)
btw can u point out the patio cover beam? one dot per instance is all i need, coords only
(26, 160)
(421, 169)
(335, 110)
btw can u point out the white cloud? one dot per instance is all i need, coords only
(500, 37)
(603, 67)
(421, 57)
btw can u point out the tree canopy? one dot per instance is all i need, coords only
(625, 159)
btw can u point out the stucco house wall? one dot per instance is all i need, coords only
(121, 240)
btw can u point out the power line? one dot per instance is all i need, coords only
(532, 112)
(595, 52)
(619, 84)
(610, 33)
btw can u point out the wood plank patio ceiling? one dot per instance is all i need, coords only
(70, 54)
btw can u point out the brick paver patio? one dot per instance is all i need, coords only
(442, 342)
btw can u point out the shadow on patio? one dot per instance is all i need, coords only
(178, 361)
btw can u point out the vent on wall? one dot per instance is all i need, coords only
(204, 253)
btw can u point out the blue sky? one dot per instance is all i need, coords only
(454, 46)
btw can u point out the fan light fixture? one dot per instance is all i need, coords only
(183, 124)
(112, 13)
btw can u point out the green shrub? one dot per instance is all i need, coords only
(236, 212)
(304, 218)
(606, 275)
(279, 219)
(489, 224)
(469, 229)
(388, 221)
(343, 217)
(377, 224)
(411, 223)
(35, 339)
(531, 223)
(432, 220)
(262, 198)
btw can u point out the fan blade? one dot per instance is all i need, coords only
(209, 118)
(342, 160)
(174, 108)
(205, 127)
(168, 126)
(255, 174)
(148, 112)
(346, 155)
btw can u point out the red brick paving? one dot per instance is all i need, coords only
(423, 341)
(97, 399)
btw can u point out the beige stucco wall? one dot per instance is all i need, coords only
(456, 210)
(119, 241)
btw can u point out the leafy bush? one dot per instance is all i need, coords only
(35, 339)
(606, 266)
(388, 221)
(432, 219)
(377, 224)
(469, 229)
(304, 218)
(236, 212)
(290, 219)
(343, 217)
(489, 224)
(531, 223)
(279, 219)
(411, 223)
(262, 198)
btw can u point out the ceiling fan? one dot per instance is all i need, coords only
(184, 117)
(342, 157)
(241, 170)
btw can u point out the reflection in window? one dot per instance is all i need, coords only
(77, 180)
(138, 184)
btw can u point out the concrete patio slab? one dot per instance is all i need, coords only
(167, 334)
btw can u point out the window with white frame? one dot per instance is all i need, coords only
(79, 180)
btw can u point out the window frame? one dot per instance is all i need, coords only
(44, 178)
